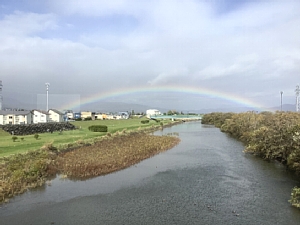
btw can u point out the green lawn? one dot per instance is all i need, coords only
(29, 143)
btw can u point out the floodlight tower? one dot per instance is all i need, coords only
(47, 90)
(297, 91)
(1, 98)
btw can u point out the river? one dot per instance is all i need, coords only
(206, 179)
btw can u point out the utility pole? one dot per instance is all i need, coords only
(297, 91)
(281, 100)
(1, 98)
(47, 89)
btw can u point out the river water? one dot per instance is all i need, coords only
(206, 179)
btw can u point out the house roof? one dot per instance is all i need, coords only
(14, 112)
(56, 111)
(41, 111)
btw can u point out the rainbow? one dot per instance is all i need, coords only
(165, 88)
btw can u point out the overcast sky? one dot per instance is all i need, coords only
(249, 49)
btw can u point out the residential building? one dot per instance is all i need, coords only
(152, 112)
(69, 115)
(100, 116)
(40, 116)
(55, 115)
(88, 114)
(15, 117)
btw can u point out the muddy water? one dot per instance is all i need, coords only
(206, 179)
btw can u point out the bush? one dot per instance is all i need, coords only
(14, 138)
(78, 119)
(295, 197)
(144, 121)
(88, 118)
(36, 136)
(98, 128)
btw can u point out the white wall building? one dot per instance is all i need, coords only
(152, 112)
(15, 117)
(40, 116)
(55, 115)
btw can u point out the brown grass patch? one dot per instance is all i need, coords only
(110, 155)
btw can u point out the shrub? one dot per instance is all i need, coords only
(14, 138)
(78, 119)
(144, 121)
(295, 197)
(36, 136)
(88, 118)
(49, 147)
(98, 128)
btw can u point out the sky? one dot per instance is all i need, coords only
(176, 54)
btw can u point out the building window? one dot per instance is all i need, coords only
(10, 117)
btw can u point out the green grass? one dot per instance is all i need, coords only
(29, 143)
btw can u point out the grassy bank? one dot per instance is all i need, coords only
(61, 140)
(87, 156)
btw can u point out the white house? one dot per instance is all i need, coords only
(88, 114)
(152, 112)
(40, 116)
(15, 117)
(55, 115)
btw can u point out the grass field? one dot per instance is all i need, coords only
(29, 143)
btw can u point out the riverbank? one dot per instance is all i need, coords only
(271, 136)
(100, 156)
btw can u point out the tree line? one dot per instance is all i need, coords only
(271, 136)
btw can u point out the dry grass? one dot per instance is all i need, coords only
(110, 155)
(114, 152)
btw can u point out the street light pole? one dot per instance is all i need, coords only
(281, 100)
(47, 89)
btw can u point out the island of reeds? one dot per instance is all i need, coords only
(82, 158)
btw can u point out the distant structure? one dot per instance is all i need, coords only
(297, 91)
(1, 98)
(47, 89)
(152, 112)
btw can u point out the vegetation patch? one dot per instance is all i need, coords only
(110, 155)
(22, 171)
(98, 128)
